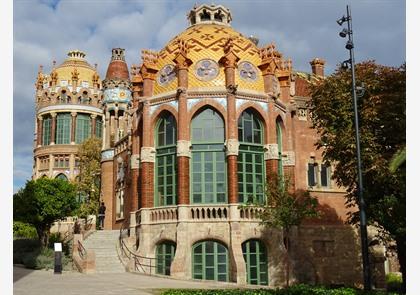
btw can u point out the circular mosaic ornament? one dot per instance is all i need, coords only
(247, 71)
(166, 75)
(206, 69)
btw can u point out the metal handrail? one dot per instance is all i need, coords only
(130, 254)
(82, 251)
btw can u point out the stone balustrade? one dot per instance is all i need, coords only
(196, 213)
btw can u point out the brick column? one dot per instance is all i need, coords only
(39, 131)
(147, 159)
(73, 127)
(93, 125)
(53, 126)
(183, 152)
(229, 61)
(147, 154)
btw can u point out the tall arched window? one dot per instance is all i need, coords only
(46, 131)
(165, 171)
(83, 127)
(279, 142)
(98, 128)
(165, 253)
(250, 158)
(62, 135)
(210, 261)
(255, 256)
(208, 169)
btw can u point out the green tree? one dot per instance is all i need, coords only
(286, 208)
(88, 179)
(41, 202)
(382, 135)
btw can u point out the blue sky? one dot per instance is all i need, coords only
(45, 30)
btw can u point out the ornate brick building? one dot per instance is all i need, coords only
(68, 110)
(190, 135)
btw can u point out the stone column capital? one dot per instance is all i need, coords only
(232, 147)
(53, 114)
(271, 151)
(73, 114)
(183, 148)
(93, 116)
(148, 154)
(40, 117)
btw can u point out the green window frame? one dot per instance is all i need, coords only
(166, 161)
(165, 253)
(280, 145)
(208, 160)
(312, 174)
(83, 127)
(46, 131)
(62, 135)
(210, 261)
(255, 256)
(98, 128)
(325, 175)
(61, 176)
(251, 164)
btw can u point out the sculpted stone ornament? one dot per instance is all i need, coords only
(271, 151)
(288, 158)
(135, 161)
(232, 89)
(232, 146)
(183, 148)
(181, 90)
(148, 154)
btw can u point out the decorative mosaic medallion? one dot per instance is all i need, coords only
(247, 71)
(166, 75)
(206, 69)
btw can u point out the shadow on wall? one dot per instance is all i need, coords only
(322, 251)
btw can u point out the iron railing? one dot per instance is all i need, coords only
(139, 264)
(82, 251)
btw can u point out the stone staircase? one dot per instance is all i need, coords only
(105, 243)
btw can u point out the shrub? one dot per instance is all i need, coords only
(393, 281)
(24, 230)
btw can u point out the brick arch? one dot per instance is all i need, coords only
(155, 117)
(197, 108)
(259, 111)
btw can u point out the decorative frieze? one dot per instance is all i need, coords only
(271, 151)
(148, 154)
(232, 147)
(288, 158)
(183, 148)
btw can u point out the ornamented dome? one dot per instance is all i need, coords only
(205, 40)
(84, 71)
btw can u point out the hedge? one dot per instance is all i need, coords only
(300, 289)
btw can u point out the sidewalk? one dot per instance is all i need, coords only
(37, 282)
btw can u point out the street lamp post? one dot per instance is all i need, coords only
(363, 227)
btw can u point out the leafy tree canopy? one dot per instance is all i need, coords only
(382, 135)
(88, 180)
(41, 202)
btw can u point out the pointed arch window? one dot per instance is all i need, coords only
(250, 159)
(279, 143)
(165, 171)
(208, 168)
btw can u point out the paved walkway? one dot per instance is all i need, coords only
(36, 282)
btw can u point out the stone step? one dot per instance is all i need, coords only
(104, 244)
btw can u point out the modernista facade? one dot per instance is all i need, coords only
(190, 135)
